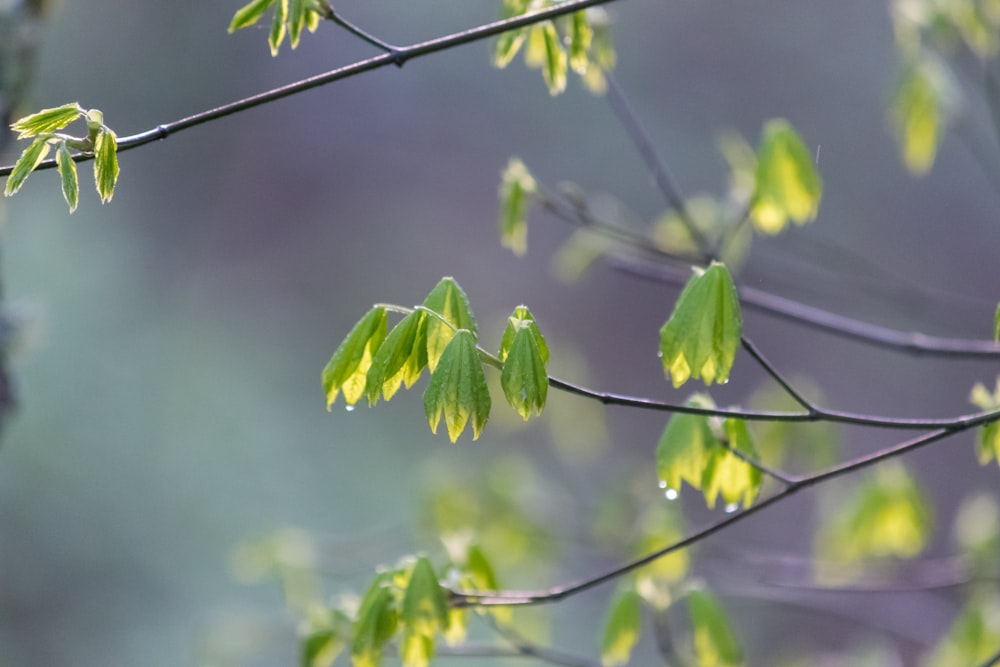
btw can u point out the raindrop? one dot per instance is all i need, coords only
(663, 484)
(349, 408)
(724, 381)
(732, 507)
(671, 494)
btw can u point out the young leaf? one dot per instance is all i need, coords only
(517, 186)
(685, 447)
(296, 20)
(30, 157)
(729, 475)
(622, 627)
(988, 439)
(581, 37)
(524, 355)
(425, 608)
(106, 164)
(249, 14)
(715, 643)
(458, 389)
(277, 34)
(973, 637)
(448, 300)
(400, 359)
(47, 120)
(787, 183)
(660, 525)
(377, 623)
(919, 110)
(996, 325)
(347, 369)
(554, 69)
(321, 645)
(701, 336)
(509, 43)
(67, 174)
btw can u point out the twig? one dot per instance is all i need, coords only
(771, 370)
(401, 55)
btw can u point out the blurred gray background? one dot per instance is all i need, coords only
(170, 402)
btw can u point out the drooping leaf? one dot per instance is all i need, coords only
(347, 369)
(701, 337)
(996, 325)
(249, 14)
(509, 43)
(68, 176)
(659, 527)
(377, 622)
(715, 643)
(278, 26)
(919, 110)
(47, 120)
(726, 474)
(556, 62)
(685, 447)
(321, 645)
(457, 389)
(988, 435)
(425, 608)
(517, 186)
(524, 354)
(622, 627)
(30, 157)
(106, 164)
(787, 183)
(297, 10)
(400, 359)
(581, 37)
(448, 300)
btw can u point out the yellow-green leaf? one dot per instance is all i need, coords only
(988, 435)
(787, 183)
(524, 355)
(377, 622)
(919, 110)
(509, 43)
(425, 608)
(973, 637)
(685, 447)
(517, 186)
(727, 474)
(68, 176)
(296, 20)
(321, 645)
(996, 325)
(30, 157)
(659, 527)
(249, 14)
(347, 369)
(448, 300)
(715, 643)
(106, 164)
(622, 627)
(977, 530)
(556, 62)
(400, 359)
(457, 389)
(278, 26)
(581, 37)
(47, 120)
(701, 337)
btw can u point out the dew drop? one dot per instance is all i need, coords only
(724, 381)
(732, 507)
(671, 494)
(663, 484)
(349, 408)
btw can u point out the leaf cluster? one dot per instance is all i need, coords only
(290, 18)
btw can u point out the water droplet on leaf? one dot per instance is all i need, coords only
(663, 484)
(732, 507)
(671, 494)
(349, 408)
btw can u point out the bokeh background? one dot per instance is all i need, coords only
(170, 403)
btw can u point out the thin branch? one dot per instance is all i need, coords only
(771, 370)
(554, 594)
(523, 646)
(398, 57)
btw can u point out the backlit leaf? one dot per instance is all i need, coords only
(556, 62)
(787, 183)
(26, 163)
(457, 389)
(517, 186)
(509, 43)
(524, 354)
(988, 435)
(322, 645)
(68, 176)
(973, 637)
(448, 300)
(425, 608)
(278, 26)
(726, 474)
(249, 14)
(106, 164)
(400, 359)
(47, 120)
(685, 447)
(715, 643)
(996, 325)
(622, 627)
(348, 367)
(659, 527)
(701, 337)
(919, 110)
(580, 40)
(378, 619)
(296, 20)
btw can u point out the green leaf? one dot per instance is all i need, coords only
(448, 300)
(425, 607)
(524, 354)
(715, 643)
(685, 447)
(556, 64)
(249, 14)
(517, 186)
(727, 474)
(973, 637)
(509, 43)
(400, 359)
(47, 120)
(787, 183)
(321, 645)
(277, 34)
(296, 20)
(106, 164)
(919, 110)
(622, 627)
(996, 325)
(886, 515)
(701, 336)
(458, 389)
(660, 524)
(988, 438)
(377, 622)
(581, 37)
(348, 367)
(479, 570)
(30, 157)
(67, 174)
